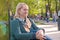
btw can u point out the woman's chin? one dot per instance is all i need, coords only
(25, 15)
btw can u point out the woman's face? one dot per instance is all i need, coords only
(24, 11)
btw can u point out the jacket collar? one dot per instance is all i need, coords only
(20, 19)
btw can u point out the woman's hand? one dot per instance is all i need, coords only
(40, 35)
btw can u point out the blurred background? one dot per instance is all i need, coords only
(43, 12)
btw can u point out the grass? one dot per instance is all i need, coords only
(40, 23)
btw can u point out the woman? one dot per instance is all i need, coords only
(22, 27)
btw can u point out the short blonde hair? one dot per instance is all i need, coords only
(19, 6)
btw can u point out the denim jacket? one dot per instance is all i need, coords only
(17, 31)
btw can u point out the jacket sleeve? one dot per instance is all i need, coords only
(14, 30)
(35, 27)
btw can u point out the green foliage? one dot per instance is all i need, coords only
(3, 31)
(3, 10)
(50, 19)
(35, 6)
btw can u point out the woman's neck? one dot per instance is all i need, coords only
(22, 17)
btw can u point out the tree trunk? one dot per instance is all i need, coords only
(56, 7)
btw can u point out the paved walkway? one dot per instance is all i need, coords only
(51, 30)
(49, 23)
(54, 35)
